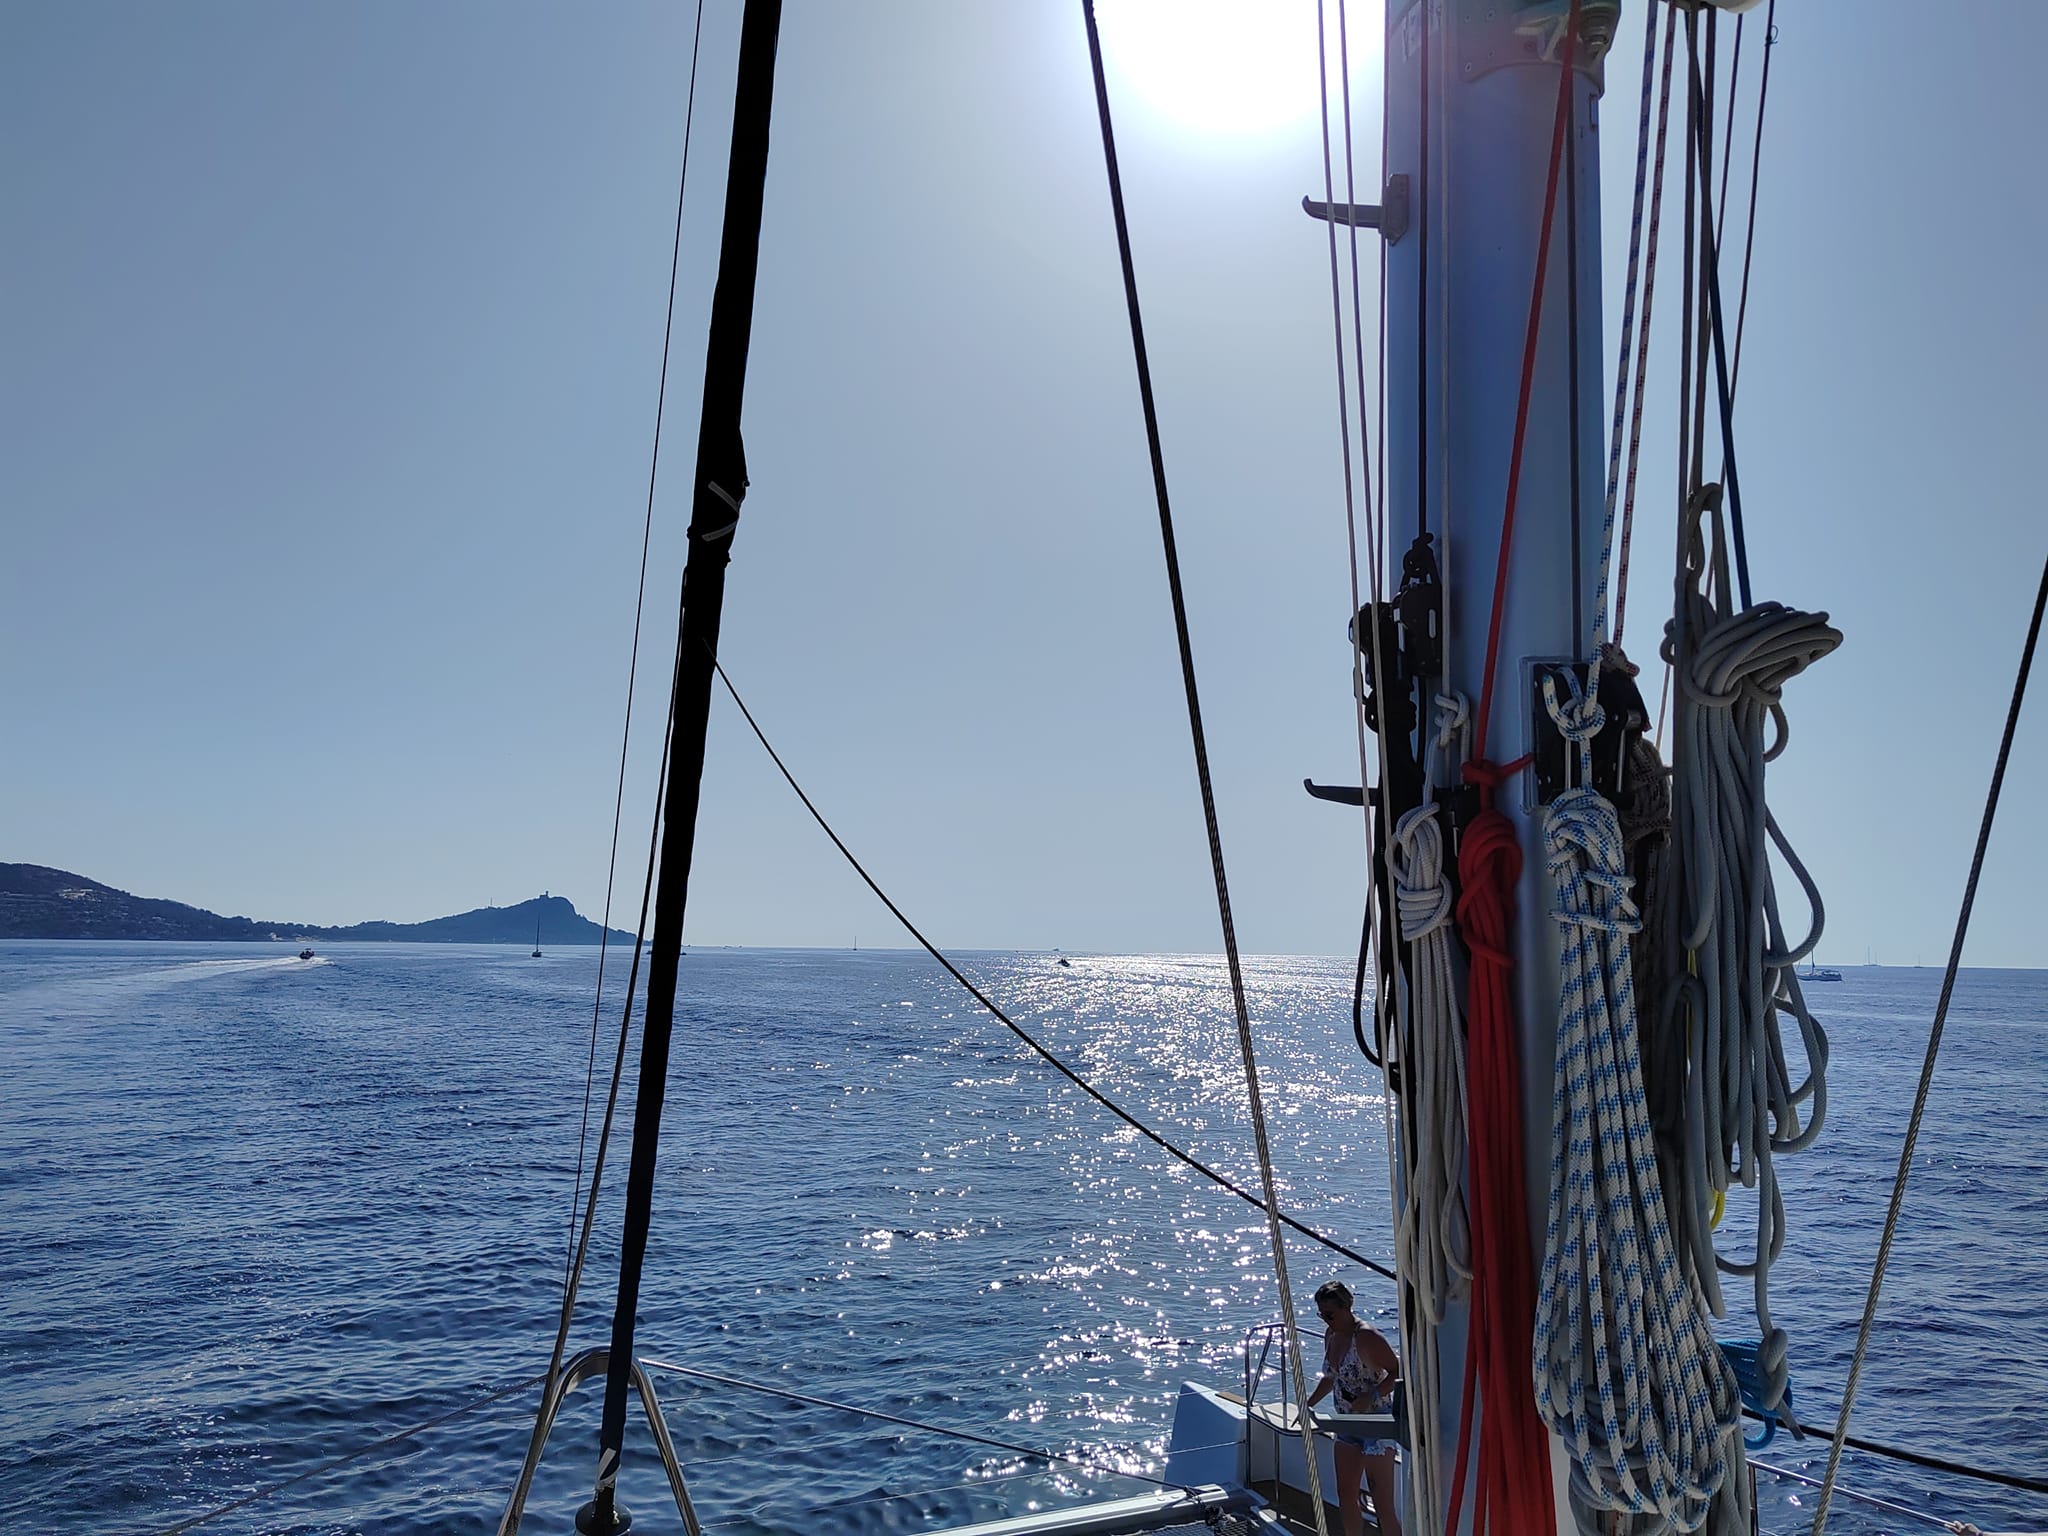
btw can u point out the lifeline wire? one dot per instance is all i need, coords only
(1221, 1180)
(1948, 987)
(1957, 1527)
(1201, 750)
(768, 1389)
(1917, 1458)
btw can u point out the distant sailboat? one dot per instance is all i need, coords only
(1815, 972)
(536, 926)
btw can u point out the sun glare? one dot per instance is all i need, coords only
(1216, 67)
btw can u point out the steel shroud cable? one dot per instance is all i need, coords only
(1948, 987)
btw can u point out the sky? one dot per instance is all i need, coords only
(329, 345)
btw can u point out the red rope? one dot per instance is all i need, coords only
(1514, 1459)
(1507, 523)
(1511, 1486)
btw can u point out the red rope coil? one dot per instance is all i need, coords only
(1512, 1489)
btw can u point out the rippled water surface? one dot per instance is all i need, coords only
(260, 1212)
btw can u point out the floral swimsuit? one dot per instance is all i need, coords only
(1358, 1388)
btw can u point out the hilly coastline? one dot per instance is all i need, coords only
(37, 902)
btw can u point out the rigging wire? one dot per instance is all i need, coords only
(508, 1525)
(1432, 1241)
(1711, 305)
(1199, 742)
(572, 1277)
(611, 1102)
(1575, 396)
(1948, 986)
(1374, 835)
(1222, 1181)
(1416, 1331)
(1728, 127)
(1755, 166)
(1629, 319)
(1741, 315)
(633, 664)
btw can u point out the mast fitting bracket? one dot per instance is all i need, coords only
(1389, 216)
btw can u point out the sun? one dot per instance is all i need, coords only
(1213, 67)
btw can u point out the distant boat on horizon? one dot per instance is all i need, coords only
(1815, 972)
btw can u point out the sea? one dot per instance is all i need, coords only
(261, 1215)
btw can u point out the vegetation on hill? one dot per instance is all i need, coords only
(37, 902)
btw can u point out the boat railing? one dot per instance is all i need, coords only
(1262, 1337)
(1265, 1349)
(593, 1362)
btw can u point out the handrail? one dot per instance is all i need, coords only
(1392, 1425)
(595, 1362)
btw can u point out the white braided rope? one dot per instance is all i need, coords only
(1742, 1104)
(1435, 1228)
(1433, 1239)
(1626, 1369)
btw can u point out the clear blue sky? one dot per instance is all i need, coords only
(328, 349)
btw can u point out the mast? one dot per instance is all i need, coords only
(718, 487)
(1471, 100)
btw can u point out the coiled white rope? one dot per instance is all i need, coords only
(1736, 974)
(1626, 1368)
(1435, 1228)
(1433, 1241)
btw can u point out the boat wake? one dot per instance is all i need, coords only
(202, 970)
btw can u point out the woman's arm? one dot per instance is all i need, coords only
(1379, 1354)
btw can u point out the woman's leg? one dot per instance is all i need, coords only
(1379, 1471)
(1350, 1468)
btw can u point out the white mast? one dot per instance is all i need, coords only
(1471, 100)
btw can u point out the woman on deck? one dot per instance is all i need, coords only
(1361, 1368)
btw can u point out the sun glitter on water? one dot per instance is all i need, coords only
(1217, 68)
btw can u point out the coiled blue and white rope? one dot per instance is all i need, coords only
(1626, 1369)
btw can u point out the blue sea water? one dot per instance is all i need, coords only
(260, 1212)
